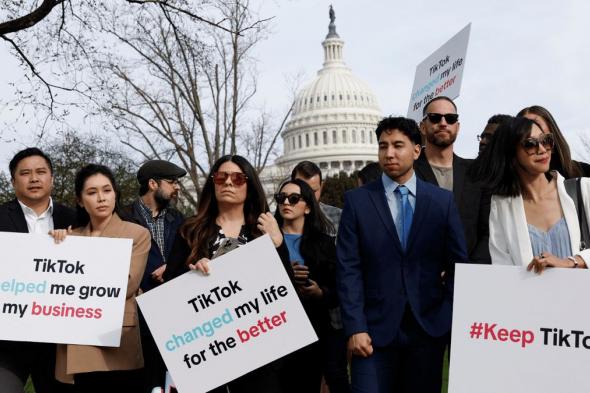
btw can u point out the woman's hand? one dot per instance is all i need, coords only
(268, 225)
(59, 235)
(202, 266)
(300, 273)
(311, 289)
(545, 260)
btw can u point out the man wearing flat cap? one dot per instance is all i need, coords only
(158, 187)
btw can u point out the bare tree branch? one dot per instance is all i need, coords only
(29, 20)
(164, 3)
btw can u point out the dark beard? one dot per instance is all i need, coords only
(161, 201)
(434, 140)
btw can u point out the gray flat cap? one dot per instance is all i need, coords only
(159, 169)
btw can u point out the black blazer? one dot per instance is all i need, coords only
(12, 218)
(174, 220)
(473, 202)
(180, 252)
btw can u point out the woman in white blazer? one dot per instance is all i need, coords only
(533, 221)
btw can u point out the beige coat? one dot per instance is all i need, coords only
(73, 359)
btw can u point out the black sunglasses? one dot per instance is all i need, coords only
(435, 118)
(293, 199)
(531, 145)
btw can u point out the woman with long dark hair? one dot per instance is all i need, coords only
(533, 220)
(313, 256)
(93, 368)
(561, 158)
(232, 208)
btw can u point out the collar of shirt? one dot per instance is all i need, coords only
(148, 212)
(28, 212)
(390, 185)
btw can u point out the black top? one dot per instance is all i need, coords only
(322, 270)
(585, 168)
(181, 251)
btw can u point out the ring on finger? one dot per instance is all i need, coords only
(541, 256)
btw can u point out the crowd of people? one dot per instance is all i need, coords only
(375, 278)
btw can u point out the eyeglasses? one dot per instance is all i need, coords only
(435, 118)
(237, 178)
(293, 199)
(531, 145)
(172, 182)
(485, 136)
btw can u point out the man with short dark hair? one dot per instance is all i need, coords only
(32, 211)
(440, 166)
(312, 175)
(158, 187)
(488, 132)
(397, 235)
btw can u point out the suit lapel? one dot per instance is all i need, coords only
(459, 170)
(16, 215)
(424, 170)
(420, 211)
(60, 216)
(377, 194)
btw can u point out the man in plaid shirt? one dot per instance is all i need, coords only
(158, 187)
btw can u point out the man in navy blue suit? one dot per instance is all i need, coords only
(398, 241)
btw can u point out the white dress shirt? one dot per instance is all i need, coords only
(42, 223)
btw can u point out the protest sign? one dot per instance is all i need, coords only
(213, 329)
(515, 331)
(440, 73)
(69, 293)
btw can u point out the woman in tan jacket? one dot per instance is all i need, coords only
(102, 369)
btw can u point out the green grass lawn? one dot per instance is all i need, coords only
(29, 387)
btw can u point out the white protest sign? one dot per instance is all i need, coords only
(440, 73)
(213, 329)
(70, 293)
(515, 331)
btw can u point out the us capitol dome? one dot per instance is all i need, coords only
(334, 117)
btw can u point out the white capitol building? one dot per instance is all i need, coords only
(333, 121)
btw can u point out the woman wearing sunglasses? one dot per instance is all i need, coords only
(313, 256)
(533, 221)
(561, 159)
(232, 211)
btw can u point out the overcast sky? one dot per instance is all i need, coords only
(520, 53)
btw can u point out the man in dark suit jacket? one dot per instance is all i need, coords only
(158, 186)
(32, 211)
(438, 165)
(397, 235)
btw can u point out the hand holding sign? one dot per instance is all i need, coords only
(213, 329)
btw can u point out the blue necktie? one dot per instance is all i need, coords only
(406, 214)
